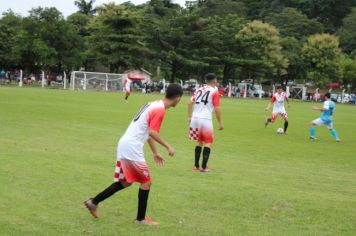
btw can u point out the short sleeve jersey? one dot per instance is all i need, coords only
(329, 107)
(149, 117)
(206, 99)
(278, 100)
(127, 83)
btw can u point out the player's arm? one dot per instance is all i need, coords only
(216, 104)
(287, 100)
(157, 137)
(218, 117)
(273, 99)
(320, 109)
(156, 155)
(190, 109)
(268, 106)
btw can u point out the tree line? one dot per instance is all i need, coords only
(267, 41)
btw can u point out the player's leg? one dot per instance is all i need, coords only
(198, 150)
(206, 155)
(127, 95)
(194, 130)
(312, 127)
(333, 131)
(207, 136)
(143, 194)
(285, 118)
(119, 184)
(271, 119)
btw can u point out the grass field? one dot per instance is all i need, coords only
(57, 148)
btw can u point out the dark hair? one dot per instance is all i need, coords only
(279, 87)
(210, 77)
(173, 91)
(328, 95)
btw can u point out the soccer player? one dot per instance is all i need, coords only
(131, 165)
(127, 84)
(327, 112)
(278, 108)
(205, 100)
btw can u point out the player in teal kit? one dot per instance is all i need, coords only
(325, 119)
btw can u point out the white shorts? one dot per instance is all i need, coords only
(319, 121)
(281, 111)
(201, 130)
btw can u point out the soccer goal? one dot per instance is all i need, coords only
(83, 80)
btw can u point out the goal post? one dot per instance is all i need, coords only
(83, 80)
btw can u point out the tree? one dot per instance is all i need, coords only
(348, 67)
(86, 8)
(10, 25)
(47, 41)
(261, 52)
(347, 33)
(116, 37)
(322, 57)
(292, 23)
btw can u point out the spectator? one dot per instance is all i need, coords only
(238, 92)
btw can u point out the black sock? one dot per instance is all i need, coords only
(197, 156)
(126, 97)
(116, 186)
(269, 120)
(206, 153)
(142, 204)
(285, 126)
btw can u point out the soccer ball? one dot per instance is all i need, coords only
(280, 131)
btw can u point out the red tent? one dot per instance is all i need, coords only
(136, 77)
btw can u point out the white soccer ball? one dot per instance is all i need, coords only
(280, 131)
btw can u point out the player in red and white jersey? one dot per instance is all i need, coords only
(277, 101)
(127, 87)
(205, 100)
(131, 164)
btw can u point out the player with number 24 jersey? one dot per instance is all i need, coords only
(205, 100)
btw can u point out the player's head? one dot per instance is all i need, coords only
(279, 89)
(211, 79)
(327, 96)
(174, 93)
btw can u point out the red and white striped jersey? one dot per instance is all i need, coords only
(206, 99)
(278, 100)
(131, 144)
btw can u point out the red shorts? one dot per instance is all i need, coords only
(132, 171)
(201, 130)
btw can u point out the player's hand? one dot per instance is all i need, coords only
(171, 151)
(159, 160)
(266, 109)
(316, 108)
(221, 126)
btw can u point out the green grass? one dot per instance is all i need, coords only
(57, 148)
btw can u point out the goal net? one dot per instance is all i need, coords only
(82, 80)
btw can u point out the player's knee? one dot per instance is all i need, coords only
(146, 186)
(126, 184)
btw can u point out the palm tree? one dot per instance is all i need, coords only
(85, 7)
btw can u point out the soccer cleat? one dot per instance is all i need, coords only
(146, 221)
(205, 170)
(338, 140)
(312, 138)
(196, 168)
(92, 207)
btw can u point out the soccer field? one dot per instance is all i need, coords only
(57, 148)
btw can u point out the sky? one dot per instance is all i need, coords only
(67, 7)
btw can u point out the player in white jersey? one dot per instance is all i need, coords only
(131, 165)
(127, 87)
(205, 100)
(278, 108)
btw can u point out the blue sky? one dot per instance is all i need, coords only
(67, 7)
